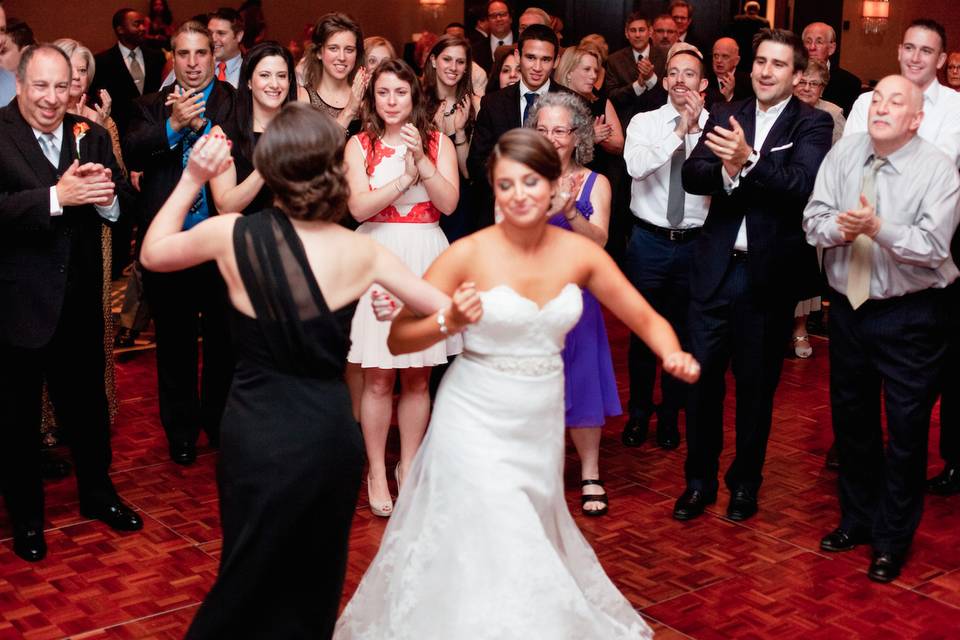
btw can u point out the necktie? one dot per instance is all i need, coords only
(531, 98)
(198, 210)
(861, 252)
(676, 196)
(48, 145)
(499, 43)
(136, 71)
(222, 71)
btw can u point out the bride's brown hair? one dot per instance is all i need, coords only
(528, 147)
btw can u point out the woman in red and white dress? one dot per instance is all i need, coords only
(403, 176)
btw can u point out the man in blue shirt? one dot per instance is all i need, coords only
(192, 303)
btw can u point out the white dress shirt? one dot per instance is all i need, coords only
(524, 90)
(496, 42)
(764, 123)
(110, 212)
(647, 151)
(137, 53)
(940, 124)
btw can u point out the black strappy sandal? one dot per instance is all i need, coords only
(600, 497)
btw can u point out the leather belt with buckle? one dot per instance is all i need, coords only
(673, 235)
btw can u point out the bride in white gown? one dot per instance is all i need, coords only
(481, 543)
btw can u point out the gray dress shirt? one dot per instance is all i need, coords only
(918, 193)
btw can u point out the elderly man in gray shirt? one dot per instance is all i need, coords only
(884, 209)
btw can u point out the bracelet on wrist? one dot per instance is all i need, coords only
(399, 189)
(442, 322)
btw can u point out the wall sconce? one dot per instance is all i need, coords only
(875, 15)
(434, 6)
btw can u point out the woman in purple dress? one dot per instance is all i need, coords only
(583, 207)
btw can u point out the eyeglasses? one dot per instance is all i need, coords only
(556, 132)
(498, 14)
(680, 18)
(813, 84)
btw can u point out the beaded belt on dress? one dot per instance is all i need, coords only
(519, 365)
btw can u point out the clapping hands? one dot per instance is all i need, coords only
(89, 183)
(187, 107)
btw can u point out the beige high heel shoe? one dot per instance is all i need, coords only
(381, 509)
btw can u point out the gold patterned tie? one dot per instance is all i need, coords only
(861, 252)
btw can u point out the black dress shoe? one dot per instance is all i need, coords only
(668, 435)
(635, 431)
(947, 482)
(842, 540)
(743, 505)
(832, 461)
(30, 545)
(125, 338)
(692, 504)
(117, 516)
(885, 566)
(183, 452)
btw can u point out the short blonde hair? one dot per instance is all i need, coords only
(571, 57)
(70, 46)
(371, 43)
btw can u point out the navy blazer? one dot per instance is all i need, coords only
(771, 196)
(41, 254)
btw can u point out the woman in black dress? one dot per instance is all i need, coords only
(291, 455)
(266, 78)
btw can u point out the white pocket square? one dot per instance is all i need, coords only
(782, 147)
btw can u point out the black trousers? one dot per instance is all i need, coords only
(186, 306)
(949, 400)
(893, 349)
(734, 327)
(660, 270)
(72, 364)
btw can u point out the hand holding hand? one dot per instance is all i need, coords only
(682, 366)
(465, 308)
(209, 157)
(385, 307)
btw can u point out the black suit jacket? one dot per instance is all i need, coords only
(40, 254)
(499, 113)
(771, 196)
(480, 48)
(843, 89)
(742, 89)
(146, 148)
(112, 74)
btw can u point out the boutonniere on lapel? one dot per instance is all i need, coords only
(79, 130)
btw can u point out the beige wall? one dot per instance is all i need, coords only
(89, 20)
(873, 56)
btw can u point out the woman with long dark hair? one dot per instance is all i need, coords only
(266, 80)
(334, 76)
(291, 455)
(403, 177)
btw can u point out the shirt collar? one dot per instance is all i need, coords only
(670, 113)
(932, 93)
(125, 51)
(773, 111)
(524, 89)
(234, 62)
(645, 53)
(57, 133)
(507, 39)
(899, 159)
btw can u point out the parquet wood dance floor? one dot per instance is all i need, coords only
(710, 578)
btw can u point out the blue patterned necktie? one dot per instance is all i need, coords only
(198, 210)
(531, 98)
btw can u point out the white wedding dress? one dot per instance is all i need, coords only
(481, 544)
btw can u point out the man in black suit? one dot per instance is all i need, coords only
(844, 88)
(500, 23)
(58, 185)
(758, 160)
(127, 70)
(634, 72)
(505, 109)
(682, 13)
(161, 135)
(726, 83)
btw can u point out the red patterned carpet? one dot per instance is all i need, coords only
(709, 578)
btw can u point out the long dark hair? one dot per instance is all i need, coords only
(500, 56)
(328, 25)
(244, 109)
(373, 124)
(464, 88)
